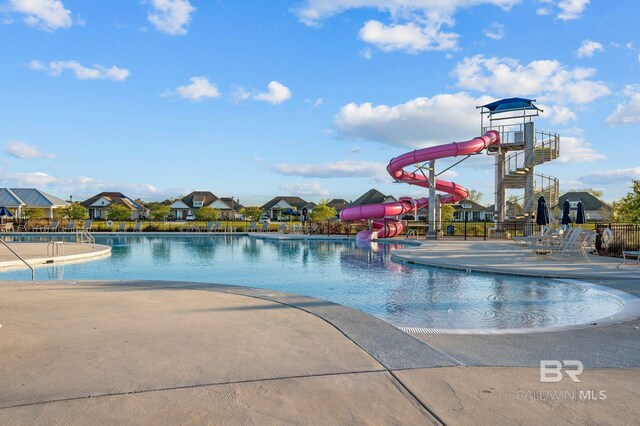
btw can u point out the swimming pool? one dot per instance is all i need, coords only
(365, 279)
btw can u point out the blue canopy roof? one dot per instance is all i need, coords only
(510, 104)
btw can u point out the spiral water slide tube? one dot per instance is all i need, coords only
(384, 227)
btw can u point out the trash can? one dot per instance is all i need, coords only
(450, 230)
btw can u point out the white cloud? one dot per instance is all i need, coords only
(240, 94)
(557, 114)
(366, 53)
(495, 31)
(419, 122)
(577, 150)
(98, 72)
(199, 89)
(45, 14)
(276, 93)
(571, 9)
(415, 25)
(312, 189)
(627, 112)
(339, 169)
(20, 149)
(82, 187)
(611, 177)
(411, 37)
(313, 12)
(35, 179)
(170, 16)
(588, 48)
(315, 103)
(549, 80)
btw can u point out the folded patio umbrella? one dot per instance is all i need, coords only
(566, 209)
(542, 214)
(5, 212)
(580, 216)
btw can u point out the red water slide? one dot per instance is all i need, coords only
(384, 227)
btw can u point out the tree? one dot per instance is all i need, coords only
(33, 213)
(251, 212)
(74, 211)
(475, 196)
(628, 208)
(118, 212)
(446, 212)
(322, 212)
(160, 212)
(207, 213)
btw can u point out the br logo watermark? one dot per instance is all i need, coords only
(554, 371)
(551, 370)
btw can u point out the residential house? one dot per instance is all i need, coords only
(187, 206)
(513, 211)
(277, 204)
(338, 204)
(594, 208)
(232, 212)
(469, 211)
(19, 199)
(98, 206)
(373, 196)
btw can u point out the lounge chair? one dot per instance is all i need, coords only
(265, 227)
(567, 244)
(217, 227)
(51, 228)
(534, 238)
(253, 227)
(208, 228)
(88, 224)
(122, 227)
(282, 228)
(137, 227)
(71, 227)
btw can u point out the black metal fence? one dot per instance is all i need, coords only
(453, 230)
(626, 236)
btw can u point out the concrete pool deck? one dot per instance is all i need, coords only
(145, 352)
(37, 253)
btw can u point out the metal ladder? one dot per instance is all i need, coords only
(33, 271)
(412, 233)
(84, 237)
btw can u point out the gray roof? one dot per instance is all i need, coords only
(372, 196)
(296, 202)
(29, 197)
(590, 201)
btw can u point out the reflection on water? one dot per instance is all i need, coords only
(363, 277)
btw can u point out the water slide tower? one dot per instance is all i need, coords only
(522, 149)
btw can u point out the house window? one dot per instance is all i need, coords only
(197, 203)
(466, 206)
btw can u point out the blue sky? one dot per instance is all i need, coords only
(253, 99)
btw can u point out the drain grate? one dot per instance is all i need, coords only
(425, 330)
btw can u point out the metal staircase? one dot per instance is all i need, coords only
(546, 148)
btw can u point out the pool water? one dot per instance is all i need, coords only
(362, 278)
